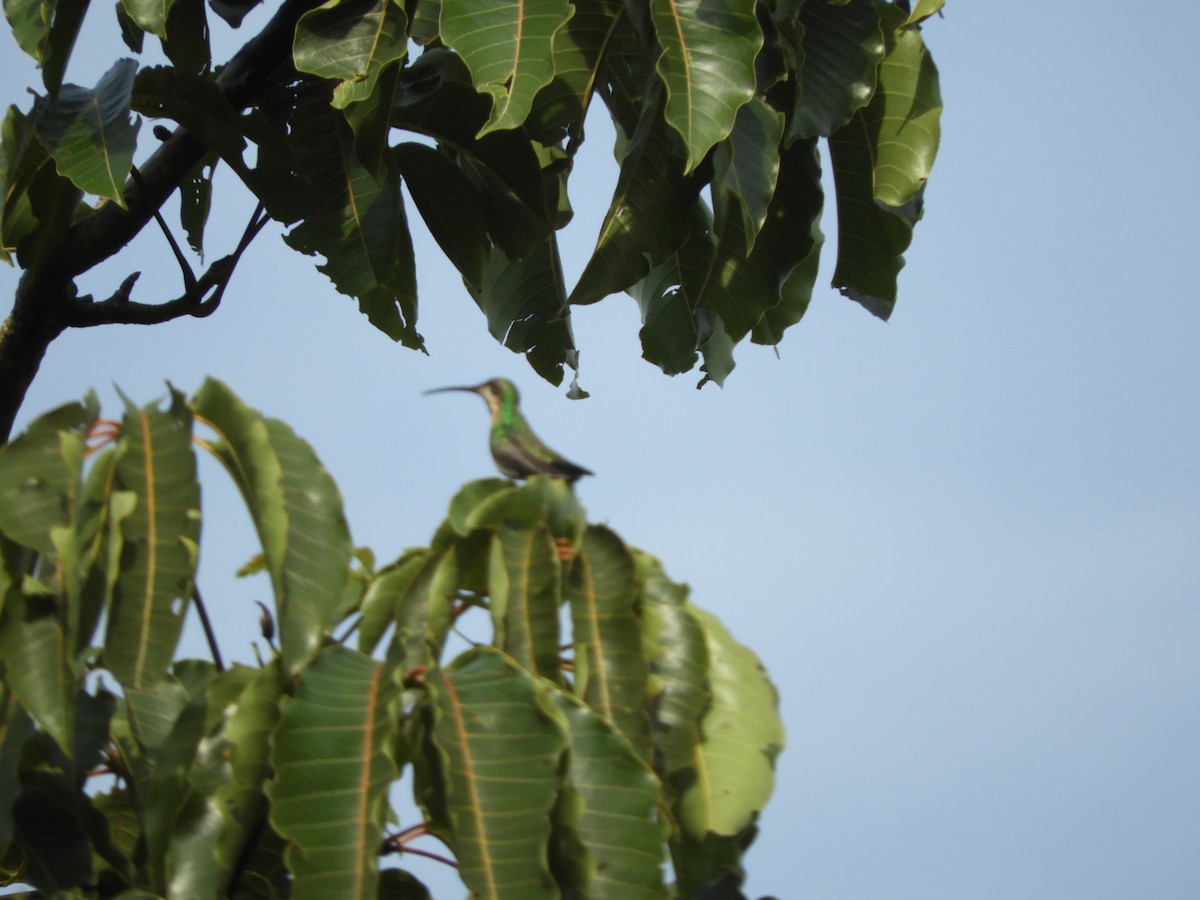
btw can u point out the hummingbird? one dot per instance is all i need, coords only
(518, 452)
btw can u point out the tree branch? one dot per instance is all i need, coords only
(47, 300)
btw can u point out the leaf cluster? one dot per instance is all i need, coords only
(607, 731)
(477, 109)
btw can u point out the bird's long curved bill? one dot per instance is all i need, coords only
(469, 390)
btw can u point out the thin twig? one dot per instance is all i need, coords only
(189, 277)
(208, 629)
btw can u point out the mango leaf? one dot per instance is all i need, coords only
(22, 157)
(840, 46)
(741, 734)
(610, 810)
(384, 594)
(525, 588)
(674, 325)
(904, 119)
(46, 30)
(351, 41)
(436, 98)
(89, 133)
(186, 42)
(678, 654)
(500, 751)
(610, 674)
(539, 500)
(745, 168)
(195, 202)
(560, 107)
(880, 161)
(799, 190)
(149, 15)
(245, 737)
(356, 222)
(525, 303)
(16, 727)
(922, 10)
(37, 664)
(707, 66)
(742, 288)
(509, 49)
(39, 474)
(297, 511)
(159, 92)
(647, 217)
(158, 554)
(332, 772)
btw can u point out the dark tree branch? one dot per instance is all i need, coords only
(47, 300)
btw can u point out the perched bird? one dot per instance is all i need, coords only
(518, 452)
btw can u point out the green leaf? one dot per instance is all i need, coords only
(37, 664)
(451, 206)
(39, 474)
(526, 306)
(610, 809)
(158, 92)
(22, 158)
(500, 753)
(384, 594)
(745, 168)
(839, 51)
(351, 41)
(674, 325)
(743, 288)
(508, 48)
(157, 564)
(610, 670)
(539, 500)
(89, 133)
(195, 202)
(707, 66)
(332, 772)
(246, 737)
(356, 222)
(16, 727)
(297, 511)
(149, 15)
(904, 119)
(46, 30)
(741, 736)
(647, 218)
(186, 43)
(922, 10)
(880, 161)
(436, 99)
(675, 645)
(525, 588)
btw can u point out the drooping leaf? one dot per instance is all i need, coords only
(436, 98)
(15, 728)
(186, 44)
(509, 49)
(525, 588)
(610, 809)
(499, 753)
(525, 303)
(880, 161)
(905, 119)
(195, 202)
(741, 287)
(21, 158)
(297, 510)
(343, 213)
(922, 10)
(840, 46)
(610, 670)
(707, 66)
(351, 41)
(153, 586)
(89, 132)
(741, 735)
(647, 217)
(149, 15)
(332, 772)
(46, 30)
(745, 168)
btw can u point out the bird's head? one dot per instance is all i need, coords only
(497, 393)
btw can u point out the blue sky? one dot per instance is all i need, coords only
(964, 543)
